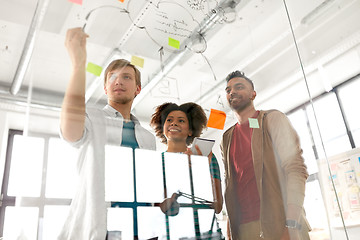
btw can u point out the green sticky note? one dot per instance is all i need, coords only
(253, 123)
(174, 43)
(94, 69)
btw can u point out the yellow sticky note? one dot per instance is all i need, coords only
(94, 69)
(216, 119)
(174, 43)
(137, 61)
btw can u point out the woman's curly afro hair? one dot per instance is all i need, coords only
(194, 113)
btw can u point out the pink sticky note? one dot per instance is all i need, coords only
(76, 1)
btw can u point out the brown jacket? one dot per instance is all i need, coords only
(279, 170)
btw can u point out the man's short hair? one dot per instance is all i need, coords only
(121, 63)
(239, 74)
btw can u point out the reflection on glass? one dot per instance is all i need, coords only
(206, 221)
(149, 176)
(119, 174)
(356, 136)
(54, 218)
(177, 175)
(201, 177)
(21, 223)
(315, 211)
(331, 125)
(182, 225)
(298, 120)
(26, 166)
(61, 170)
(151, 223)
(350, 98)
(315, 132)
(120, 220)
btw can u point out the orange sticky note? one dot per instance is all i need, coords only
(137, 61)
(216, 119)
(76, 1)
(121, 0)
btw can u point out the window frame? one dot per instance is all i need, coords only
(39, 202)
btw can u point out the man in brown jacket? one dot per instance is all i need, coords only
(265, 174)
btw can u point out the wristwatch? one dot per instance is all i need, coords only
(292, 224)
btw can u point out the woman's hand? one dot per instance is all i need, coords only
(198, 152)
(170, 206)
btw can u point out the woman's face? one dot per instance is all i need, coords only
(176, 126)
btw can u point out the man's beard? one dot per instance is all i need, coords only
(125, 100)
(240, 106)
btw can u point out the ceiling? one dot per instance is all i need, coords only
(216, 37)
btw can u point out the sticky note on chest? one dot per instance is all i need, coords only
(253, 123)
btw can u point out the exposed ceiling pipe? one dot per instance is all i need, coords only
(173, 59)
(41, 7)
(168, 65)
(41, 99)
(317, 12)
(116, 52)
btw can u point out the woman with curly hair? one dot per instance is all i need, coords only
(177, 126)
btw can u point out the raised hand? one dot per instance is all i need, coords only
(75, 43)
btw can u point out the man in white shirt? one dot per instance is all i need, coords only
(91, 129)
